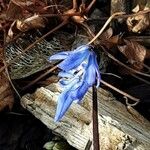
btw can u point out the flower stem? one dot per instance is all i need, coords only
(95, 120)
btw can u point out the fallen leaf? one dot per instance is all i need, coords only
(138, 23)
(134, 52)
(108, 40)
(23, 3)
(6, 93)
(14, 11)
(30, 23)
(107, 34)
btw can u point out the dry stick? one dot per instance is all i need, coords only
(119, 91)
(79, 14)
(104, 82)
(74, 4)
(40, 77)
(102, 18)
(30, 46)
(141, 79)
(87, 29)
(146, 67)
(58, 15)
(128, 104)
(11, 83)
(6, 69)
(135, 14)
(96, 144)
(105, 25)
(122, 64)
(90, 6)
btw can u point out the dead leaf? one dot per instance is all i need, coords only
(14, 11)
(23, 3)
(107, 34)
(6, 93)
(108, 39)
(10, 32)
(138, 23)
(134, 52)
(25, 25)
(30, 23)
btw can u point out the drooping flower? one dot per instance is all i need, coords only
(80, 71)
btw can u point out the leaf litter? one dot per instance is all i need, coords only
(21, 17)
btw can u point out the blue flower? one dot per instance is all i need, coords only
(80, 71)
(71, 59)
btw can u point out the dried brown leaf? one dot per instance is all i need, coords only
(115, 39)
(107, 34)
(23, 3)
(6, 93)
(30, 23)
(14, 11)
(108, 39)
(134, 52)
(138, 23)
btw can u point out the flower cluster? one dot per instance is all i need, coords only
(79, 71)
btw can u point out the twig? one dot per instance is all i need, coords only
(141, 79)
(87, 29)
(90, 6)
(88, 145)
(58, 15)
(40, 77)
(128, 104)
(102, 18)
(105, 25)
(111, 74)
(134, 14)
(119, 91)
(146, 67)
(96, 145)
(75, 4)
(122, 64)
(6, 69)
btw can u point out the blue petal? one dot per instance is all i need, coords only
(59, 56)
(66, 106)
(64, 101)
(82, 48)
(98, 75)
(79, 92)
(74, 60)
(64, 74)
(90, 74)
(69, 82)
(61, 100)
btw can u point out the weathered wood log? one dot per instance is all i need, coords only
(118, 128)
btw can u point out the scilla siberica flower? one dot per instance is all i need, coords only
(80, 71)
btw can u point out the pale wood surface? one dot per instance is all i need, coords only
(119, 129)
